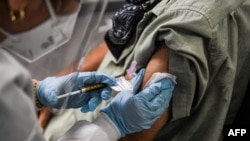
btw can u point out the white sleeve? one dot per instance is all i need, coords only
(101, 129)
(18, 120)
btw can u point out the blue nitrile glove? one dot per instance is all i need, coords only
(137, 80)
(132, 113)
(51, 87)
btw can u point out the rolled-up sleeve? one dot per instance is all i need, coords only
(187, 34)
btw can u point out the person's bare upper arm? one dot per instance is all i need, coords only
(157, 63)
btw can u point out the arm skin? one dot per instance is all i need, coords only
(43, 117)
(157, 63)
(92, 61)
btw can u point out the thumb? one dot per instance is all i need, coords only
(137, 80)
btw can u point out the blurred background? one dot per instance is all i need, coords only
(94, 19)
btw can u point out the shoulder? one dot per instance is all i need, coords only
(16, 101)
(13, 73)
(213, 11)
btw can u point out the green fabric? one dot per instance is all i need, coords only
(209, 52)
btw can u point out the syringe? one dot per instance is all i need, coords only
(122, 85)
(85, 89)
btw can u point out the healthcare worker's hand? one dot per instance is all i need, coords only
(132, 112)
(51, 87)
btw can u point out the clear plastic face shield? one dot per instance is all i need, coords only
(57, 43)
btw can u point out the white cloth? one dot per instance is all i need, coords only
(55, 129)
(101, 129)
(18, 120)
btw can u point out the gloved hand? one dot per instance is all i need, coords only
(51, 87)
(132, 112)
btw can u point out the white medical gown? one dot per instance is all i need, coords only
(18, 120)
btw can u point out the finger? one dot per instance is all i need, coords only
(87, 78)
(167, 86)
(150, 92)
(137, 80)
(166, 96)
(94, 101)
(156, 103)
(102, 78)
(49, 98)
(159, 111)
(106, 93)
(163, 84)
(85, 108)
(148, 113)
(90, 78)
(159, 105)
(108, 80)
(139, 77)
(52, 97)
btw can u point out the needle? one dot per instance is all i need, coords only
(85, 89)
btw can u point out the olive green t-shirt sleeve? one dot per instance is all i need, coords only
(186, 34)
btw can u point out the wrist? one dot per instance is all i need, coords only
(104, 122)
(38, 104)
